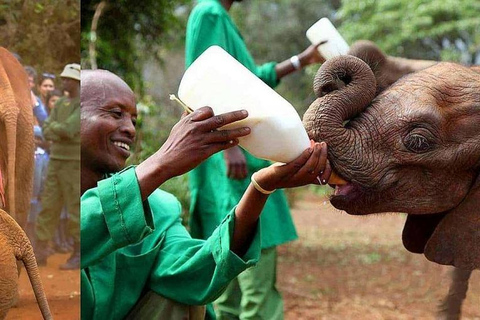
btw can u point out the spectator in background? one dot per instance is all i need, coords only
(62, 185)
(51, 99)
(46, 84)
(63, 242)
(39, 109)
(219, 182)
(39, 175)
(32, 77)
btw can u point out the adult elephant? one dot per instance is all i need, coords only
(16, 138)
(414, 148)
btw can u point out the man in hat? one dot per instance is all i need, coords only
(62, 185)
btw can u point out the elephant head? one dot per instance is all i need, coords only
(16, 138)
(387, 69)
(415, 148)
(15, 246)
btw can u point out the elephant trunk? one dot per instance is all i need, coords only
(345, 87)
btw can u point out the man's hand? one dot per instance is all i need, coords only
(192, 140)
(236, 163)
(195, 138)
(312, 163)
(311, 55)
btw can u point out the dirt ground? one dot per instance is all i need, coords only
(348, 267)
(342, 267)
(62, 289)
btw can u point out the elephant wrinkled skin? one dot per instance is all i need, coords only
(414, 148)
(14, 245)
(16, 137)
(387, 69)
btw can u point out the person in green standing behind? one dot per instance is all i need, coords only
(135, 249)
(253, 295)
(62, 184)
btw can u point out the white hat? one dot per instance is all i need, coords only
(71, 71)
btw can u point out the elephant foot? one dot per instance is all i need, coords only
(449, 310)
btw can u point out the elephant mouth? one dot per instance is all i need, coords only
(349, 197)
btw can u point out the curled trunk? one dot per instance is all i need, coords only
(345, 86)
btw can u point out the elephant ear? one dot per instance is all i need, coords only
(418, 229)
(456, 240)
(450, 238)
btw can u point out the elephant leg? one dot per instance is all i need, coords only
(451, 306)
(3, 202)
(25, 161)
(8, 278)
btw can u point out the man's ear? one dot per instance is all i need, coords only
(456, 240)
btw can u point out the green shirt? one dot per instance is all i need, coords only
(62, 127)
(130, 247)
(211, 191)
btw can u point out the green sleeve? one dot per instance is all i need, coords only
(204, 268)
(69, 128)
(266, 72)
(113, 216)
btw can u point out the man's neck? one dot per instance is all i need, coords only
(74, 93)
(227, 4)
(89, 179)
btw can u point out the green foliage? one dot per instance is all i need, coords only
(131, 31)
(45, 33)
(435, 29)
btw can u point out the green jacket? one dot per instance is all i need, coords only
(211, 191)
(62, 127)
(130, 247)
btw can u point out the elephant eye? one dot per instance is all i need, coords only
(417, 143)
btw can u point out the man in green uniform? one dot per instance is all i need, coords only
(62, 184)
(254, 295)
(133, 242)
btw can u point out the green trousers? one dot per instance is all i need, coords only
(62, 188)
(253, 294)
(153, 306)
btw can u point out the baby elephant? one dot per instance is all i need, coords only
(14, 245)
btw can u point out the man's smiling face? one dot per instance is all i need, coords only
(108, 114)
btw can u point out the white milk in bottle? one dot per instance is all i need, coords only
(219, 81)
(323, 30)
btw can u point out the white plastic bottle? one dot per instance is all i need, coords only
(219, 81)
(323, 30)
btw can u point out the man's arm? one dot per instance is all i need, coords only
(47, 124)
(194, 271)
(113, 215)
(68, 129)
